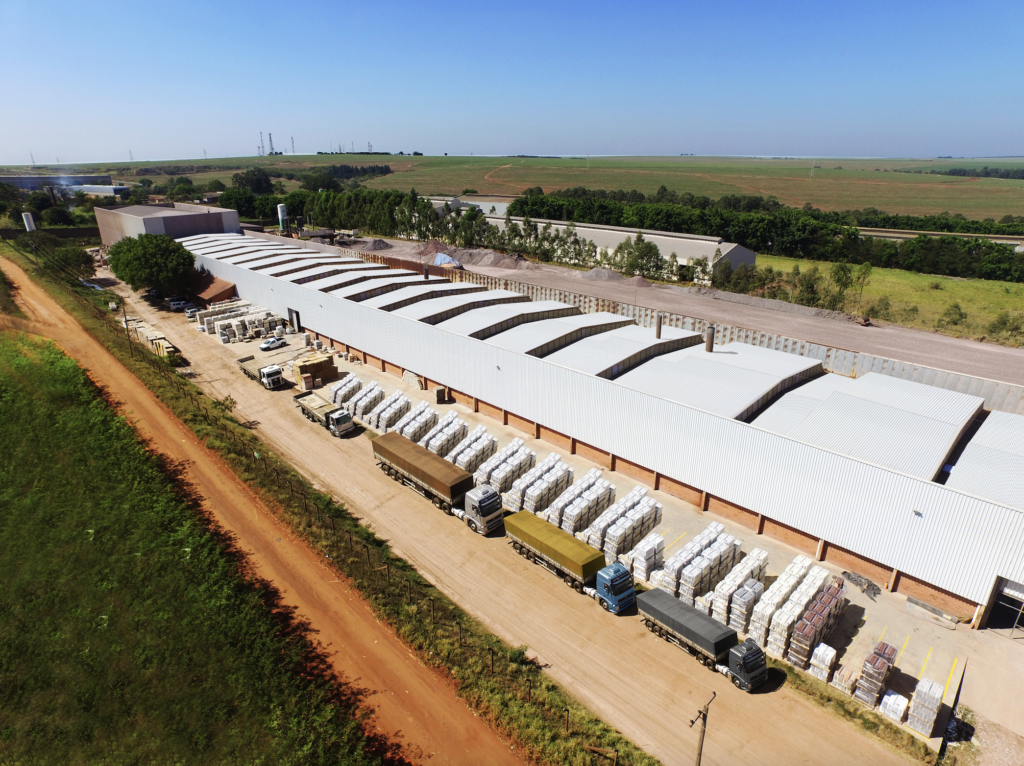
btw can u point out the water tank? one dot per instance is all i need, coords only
(30, 224)
(282, 213)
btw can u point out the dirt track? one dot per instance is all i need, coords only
(414, 706)
(645, 688)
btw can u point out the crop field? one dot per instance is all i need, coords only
(982, 300)
(129, 633)
(829, 184)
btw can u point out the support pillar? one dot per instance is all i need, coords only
(611, 460)
(476, 404)
(536, 430)
(820, 553)
(760, 524)
(704, 502)
(657, 481)
(572, 445)
(894, 581)
(504, 417)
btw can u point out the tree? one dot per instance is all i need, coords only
(57, 216)
(216, 185)
(319, 179)
(242, 200)
(861, 277)
(266, 206)
(841, 280)
(74, 259)
(146, 182)
(152, 260)
(255, 180)
(39, 200)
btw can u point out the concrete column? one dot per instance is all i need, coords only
(504, 417)
(657, 481)
(704, 501)
(760, 524)
(572, 445)
(611, 461)
(536, 430)
(383, 366)
(894, 581)
(820, 553)
(476, 404)
(364, 357)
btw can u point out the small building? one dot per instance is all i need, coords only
(173, 219)
(35, 183)
(206, 289)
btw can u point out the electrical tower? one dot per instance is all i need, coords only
(33, 158)
(369, 148)
(293, 144)
(270, 138)
(260, 148)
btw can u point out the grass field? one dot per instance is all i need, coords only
(834, 184)
(128, 634)
(981, 299)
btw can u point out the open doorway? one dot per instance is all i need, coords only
(295, 320)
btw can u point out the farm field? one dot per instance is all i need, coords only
(130, 632)
(834, 184)
(981, 299)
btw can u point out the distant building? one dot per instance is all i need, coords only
(34, 183)
(175, 219)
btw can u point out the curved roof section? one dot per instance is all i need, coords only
(484, 322)
(386, 283)
(406, 296)
(544, 337)
(346, 276)
(308, 263)
(992, 465)
(610, 354)
(437, 310)
(733, 380)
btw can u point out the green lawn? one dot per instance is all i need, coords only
(127, 634)
(981, 299)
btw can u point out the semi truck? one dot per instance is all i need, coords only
(269, 376)
(446, 485)
(331, 416)
(715, 645)
(581, 567)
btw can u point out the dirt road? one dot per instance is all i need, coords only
(414, 706)
(645, 688)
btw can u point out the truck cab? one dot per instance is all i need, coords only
(339, 422)
(614, 587)
(482, 510)
(747, 666)
(271, 376)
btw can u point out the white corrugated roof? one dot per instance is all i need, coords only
(429, 311)
(248, 254)
(552, 334)
(313, 273)
(483, 322)
(264, 261)
(733, 380)
(386, 282)
(604, 353)
(417, 293)
(341, 264)
(992, 464)
(793, 408)
(345, 276)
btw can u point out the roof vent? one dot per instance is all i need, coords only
(709, 344)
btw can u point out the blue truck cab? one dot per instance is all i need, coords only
(613, 588)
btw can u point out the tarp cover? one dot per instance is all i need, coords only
(696, 627)
(565, 550)
(441, 259)
(443, 477)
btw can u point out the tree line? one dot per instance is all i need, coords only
(984, 172)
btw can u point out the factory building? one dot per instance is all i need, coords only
(173, 219)
(849, 471)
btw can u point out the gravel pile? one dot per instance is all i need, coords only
(603, 275)
(374, 245)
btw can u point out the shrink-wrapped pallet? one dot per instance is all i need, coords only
(822, 662)
(845, 679)
(482, 474)
(513, 499)
(893, 706)
(924, 706)
(447, 419)
(410, 417)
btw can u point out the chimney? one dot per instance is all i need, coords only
(426, 272)
(657, 327)
(709, 344)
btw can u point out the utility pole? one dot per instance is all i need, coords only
(128, 335)
(702, 716)
(131, 156)
(293, 144)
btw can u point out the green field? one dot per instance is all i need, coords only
(832, 184)
(982, 300)
(128, 634)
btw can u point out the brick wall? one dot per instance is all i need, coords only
(634, 471)
(491, 411)
(524, 425)
(684, 492)
(929, 594)
(372, 361)
(599, 456)
(560, 440)
(854, 562)
(736, 513)
(462, 398)
(393, 369)
(800, 540)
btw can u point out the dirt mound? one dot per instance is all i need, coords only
(637, 282)
(374, 245)
(603, 275)
(433, 247)
(484, 257)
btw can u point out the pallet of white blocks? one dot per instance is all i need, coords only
(502, 477)
(470, 458)
(625, 533)
(409, 417)
(751, 567)
(594, 534)
(893, 706)
(395, 412)
(647, 556)
(743, 602)
(705, 604)
(681, 559)
(344, 389)
(365, 400)
(467, 442)
(448, 432)
(539, 496)
(822, 662)
(579, 514)
(553, 513)
(924, 707)
(817, 622)
(775, 596)
(372, 418)
(790, 613)
(512, 500)
(482, 474)
(709, 567)
(845, 679)
(418, 426)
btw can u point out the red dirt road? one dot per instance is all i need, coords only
(414, 706)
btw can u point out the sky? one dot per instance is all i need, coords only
(94, 81)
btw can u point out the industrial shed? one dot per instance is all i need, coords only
(484, 322)
(409, 295)
(732, 380)
(992, 464)
(389, 281)
(174, 219)
(899, 424)
(545, 337)
(613, 353)
(438, 310)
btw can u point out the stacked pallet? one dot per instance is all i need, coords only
(743, 602)
(705, 604)
(822, 662)
(775, 596)
(318, 366)
(708, 569)
(410, 416)
(634, 526)
(668, 579)
(590, 480)
(594, 534)
(539, 496)
(394, 412)
(483, 473)
(647, 556)
(817, 622)
(417, 427)
(505, 474)
(449, 431)
(582, 511)
(793, 610)
(360, 405)
(372, 418)
(751, 567)
(219, 310)
(467, 441)
(845, 679)
(924, 707)
(344, 389)
(470, 458)
(512, 500)
(875, 675)
(894, 706)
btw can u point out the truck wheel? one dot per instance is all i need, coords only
(567, 580)
(578, 586)
(446, 508)
(649, 626)
(604, 605)
(472, 525)
(516, 548)
(709, 663)
(436, 501)
(737, 682)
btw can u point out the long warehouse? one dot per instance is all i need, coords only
(655, 409)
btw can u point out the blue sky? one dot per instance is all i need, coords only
(91, 81)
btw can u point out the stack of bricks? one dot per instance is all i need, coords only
(625, 533)
(753, 566)
(774, 597)
(787, 617)
(743, 602)
(318, 366)
(874, 677)
(817, 622)
(594, 534)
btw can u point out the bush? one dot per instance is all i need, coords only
(57, 216)
(75, 260)
(242, 200)
(1005, 323)
(953, 316)
(152, 260)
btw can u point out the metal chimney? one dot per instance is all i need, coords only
(657, 327)
(709, 343)
(426, 271)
